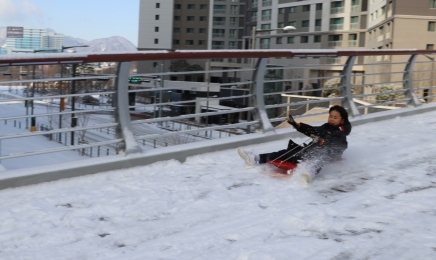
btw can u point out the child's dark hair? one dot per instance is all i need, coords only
(342, 111)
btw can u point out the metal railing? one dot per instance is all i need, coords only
(164, 110)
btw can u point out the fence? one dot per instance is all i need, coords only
(179, 112)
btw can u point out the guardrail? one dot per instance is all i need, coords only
(167, 113)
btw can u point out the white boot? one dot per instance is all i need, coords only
(248, 157)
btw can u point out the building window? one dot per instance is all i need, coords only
(291, 39)
(233, 45)
(281, 10)
(203, 18)
(201, 42)
(305, 23)
(189, 30)
(156, 17)
(176, 18)
(306, 8)
(318, 7)
(304, 39)
(202, 30)
(265, 26)
(280, 25)
(219, 9)
(176, 42)
(176, 30)
(189, 42)
(317, 38)
(156, 29)
(279, 40)
(191, 6)
(190, 18)
(293, 23)
(177, 6)
(203, 7)
(431, 26)
(430, 47)
(293, 9)
(155, 64)
(266, 15)
(318, 22)
(157, 5)
(156, 41)
(432, 3)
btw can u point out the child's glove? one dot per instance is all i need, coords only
(318, 140)
(292, 122)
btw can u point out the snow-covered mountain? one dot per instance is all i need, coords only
(110, 44)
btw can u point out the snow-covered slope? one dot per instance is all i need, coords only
(379, 203)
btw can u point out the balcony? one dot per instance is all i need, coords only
(266, 17)
(334, 27)
(254, 4)
(233, 11)
(218, 35)
(219, 23)
(355, 8)
(233, 47)
(254, 18)
(234, 24)
(233, 35)
(354, 26)
(337, 10)
(352, 43)
(380, 38)
(336, 60)
(219, 11)
(264, 46)
(335, 43)
(218, 47)
(266, 3)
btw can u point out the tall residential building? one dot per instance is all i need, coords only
(341, 24)
(192, 25)
(320, 24)
(30, 39)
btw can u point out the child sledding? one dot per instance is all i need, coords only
(328, 143)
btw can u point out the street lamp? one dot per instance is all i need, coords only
(62, 100)
(254, 32)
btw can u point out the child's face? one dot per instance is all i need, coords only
(335, 118)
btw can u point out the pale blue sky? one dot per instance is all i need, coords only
(85, 19)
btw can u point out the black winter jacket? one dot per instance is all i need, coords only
(332, 144)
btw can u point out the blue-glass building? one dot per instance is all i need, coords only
(31, 40)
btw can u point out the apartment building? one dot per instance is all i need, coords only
(31, 39)
(192, 25)
(401, 24)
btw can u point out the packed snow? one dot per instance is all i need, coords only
(378, 203)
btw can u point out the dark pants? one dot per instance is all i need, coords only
(285, 155)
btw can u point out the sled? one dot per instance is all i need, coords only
(285, 165)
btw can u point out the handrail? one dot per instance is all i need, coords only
(249, 100)
(23, 60)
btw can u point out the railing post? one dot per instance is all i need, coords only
(257, 100)
(122, 115)
(408, 81)
(346, 90)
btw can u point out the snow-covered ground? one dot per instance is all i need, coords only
(379, 203)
